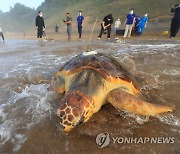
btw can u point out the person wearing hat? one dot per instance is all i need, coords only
(117, 25)
(175, 23)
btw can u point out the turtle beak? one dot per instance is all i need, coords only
(62, 127)
(69, 128)
(75, 108)
(51, 87)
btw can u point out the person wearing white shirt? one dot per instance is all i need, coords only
(117, 25)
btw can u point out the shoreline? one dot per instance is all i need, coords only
(151, 32)
(86, 36)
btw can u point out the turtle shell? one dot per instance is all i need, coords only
(105, 65)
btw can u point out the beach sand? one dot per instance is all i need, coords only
(29, 123)
(152, 31)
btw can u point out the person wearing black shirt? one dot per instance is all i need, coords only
(40, 25)
(106, 25)
(56, 29)
(1, 32)
(175, 23)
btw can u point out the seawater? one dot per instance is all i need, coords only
(28, 121)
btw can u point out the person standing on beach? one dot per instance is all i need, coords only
(142, 24)
(117, 25)
(80, 20)
(56, 29)
(106, 25)
(175, 23)
(1, 32)
(40, 26)
(68, 22)
(130, 20)
(137, 21)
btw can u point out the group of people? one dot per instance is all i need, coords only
(68, 22)
(132, 22)
(40, 25)
(135, 23)
(106, 24)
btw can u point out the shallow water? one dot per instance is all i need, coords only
(28, 123)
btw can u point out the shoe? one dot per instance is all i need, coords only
(99, 38)
(108, 38)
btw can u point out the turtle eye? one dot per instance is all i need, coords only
(80, 121)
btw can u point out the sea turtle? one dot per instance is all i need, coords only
(92, 79)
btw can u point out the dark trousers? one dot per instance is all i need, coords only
(1, 34)
(80, 31)
(108, 32)
(40, 33)
(175, 25)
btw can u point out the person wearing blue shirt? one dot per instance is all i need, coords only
(130, 20)
(80, 20)
(175, 24)
(142, 24)
(137, 21)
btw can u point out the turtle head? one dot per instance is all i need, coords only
(58, 83)
(75, 108)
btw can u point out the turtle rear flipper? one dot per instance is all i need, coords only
(124, 101)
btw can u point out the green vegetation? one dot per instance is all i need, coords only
(21, 18)
(17, 19)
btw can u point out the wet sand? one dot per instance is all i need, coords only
(153, 60)
(152, 31)
(86, 36)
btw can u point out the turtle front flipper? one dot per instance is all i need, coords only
(124, 101)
